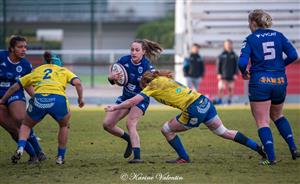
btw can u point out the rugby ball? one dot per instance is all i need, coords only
(118, 68)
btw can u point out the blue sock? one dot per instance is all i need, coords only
(61, 152)
(126, 137)
(242, 139)
(34, 142)
(178, 147)
(22, 143)
(285, 130)
(137, 153)
(266, 138)
(27, 147)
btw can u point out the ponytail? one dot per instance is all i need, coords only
(152, 49)
(149, 76)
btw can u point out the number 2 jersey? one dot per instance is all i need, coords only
(48, 79)
(10, 72)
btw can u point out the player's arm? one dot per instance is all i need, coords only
(289, 50)
(126, 104)
(78, 86)
(244, 59)
(10, 91)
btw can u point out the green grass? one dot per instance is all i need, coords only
(98, 80)
(95, 156)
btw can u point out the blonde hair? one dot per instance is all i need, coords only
(261, 18)
(149, 76)
(152, 49)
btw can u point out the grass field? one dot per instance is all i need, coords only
(94, 156)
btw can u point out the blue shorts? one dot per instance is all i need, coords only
(19, 95)
(40, 105)
(143, 105)
(201, 110)
(266, 86)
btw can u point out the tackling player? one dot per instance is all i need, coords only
(195, 107)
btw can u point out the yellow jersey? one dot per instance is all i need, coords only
(170, 92)
(48, 79)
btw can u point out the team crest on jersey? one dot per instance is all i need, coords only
(19, 69)
(140, 69)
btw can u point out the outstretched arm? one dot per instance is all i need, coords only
(126, 104)
(9, 92)
(77, 83)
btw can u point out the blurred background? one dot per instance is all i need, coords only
(89, 35)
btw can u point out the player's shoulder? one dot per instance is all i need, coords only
(25, 62)
(3, 53)
(125, 59)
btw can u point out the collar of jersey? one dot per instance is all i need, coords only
(136, 64)
(13, 62)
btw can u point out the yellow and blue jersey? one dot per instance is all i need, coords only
(48, 79)
(170, 92)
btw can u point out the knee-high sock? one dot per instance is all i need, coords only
(266, 138)
(285, 130)
(244, 140)
(178, 147)
(34, 142)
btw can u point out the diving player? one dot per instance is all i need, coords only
(196, 108)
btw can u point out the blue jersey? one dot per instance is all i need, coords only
(10, 72)
(135, 73)
(265, 47)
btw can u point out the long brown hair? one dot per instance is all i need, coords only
(149, 76)
(261, 18)
(152, 49)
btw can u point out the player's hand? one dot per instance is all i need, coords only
(235, 77)
(219, 77)
(110, 108)
(246, 75)
(115, 76)
(80, 102)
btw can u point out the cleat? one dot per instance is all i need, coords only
(41, 156)
(60, 160)
(178, 161)
(17, 156)
(261, 151)
(128, 150)
(136, 161)
(268, 162)
(33, 160)
(295, 154)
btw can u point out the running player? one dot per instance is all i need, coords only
(13, 65)
(136, 64)
(49, 82)
(268, 82)
(196, 108)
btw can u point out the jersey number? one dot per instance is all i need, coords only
(269, 50)
(47, 73)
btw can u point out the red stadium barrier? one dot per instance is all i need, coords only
(209, 84)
